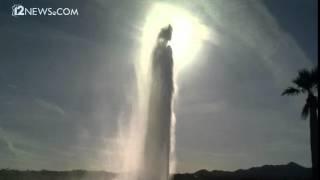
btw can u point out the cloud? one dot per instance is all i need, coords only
(50, 106)
(8, 144)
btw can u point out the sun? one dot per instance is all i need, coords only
(187, 37)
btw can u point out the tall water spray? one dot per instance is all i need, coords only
(147, 146)
(157, 143)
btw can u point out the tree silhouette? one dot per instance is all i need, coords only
(307, 83)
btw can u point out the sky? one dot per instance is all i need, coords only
(65, 82)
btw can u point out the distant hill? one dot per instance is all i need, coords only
(6, 174)
(291, 171)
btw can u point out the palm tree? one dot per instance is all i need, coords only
(306, 83)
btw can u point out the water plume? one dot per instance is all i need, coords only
(147, 147)
(157, 143)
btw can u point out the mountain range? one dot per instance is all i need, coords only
(290, 171)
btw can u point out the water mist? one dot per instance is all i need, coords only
(157, 142)
(148, 148)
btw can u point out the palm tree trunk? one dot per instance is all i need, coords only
(314, 136)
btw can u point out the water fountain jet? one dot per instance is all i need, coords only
(147, 153)
(157, 143)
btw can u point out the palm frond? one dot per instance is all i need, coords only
(304, 80)
(291, 91)
(305, 111)
(315, 77)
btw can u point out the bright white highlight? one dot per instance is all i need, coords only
(187, 37)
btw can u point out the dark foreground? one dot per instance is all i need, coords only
(289, 171)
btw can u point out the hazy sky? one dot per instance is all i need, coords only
(64, 84)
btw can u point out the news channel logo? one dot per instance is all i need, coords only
(20, 10)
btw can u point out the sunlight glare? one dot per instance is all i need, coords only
(187, 37)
